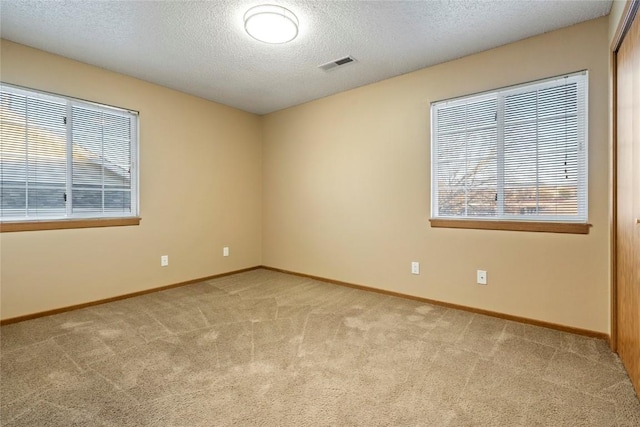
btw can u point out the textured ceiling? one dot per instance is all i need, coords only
(200, 47)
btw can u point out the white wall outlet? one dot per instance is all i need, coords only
(164, 260)
(225, 251)
(481, 277)
(415, 267)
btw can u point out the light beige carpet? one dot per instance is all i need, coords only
(270, 349)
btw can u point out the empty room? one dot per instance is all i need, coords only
(319, 213)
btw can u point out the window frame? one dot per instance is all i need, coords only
(80, 220)
(512, 222)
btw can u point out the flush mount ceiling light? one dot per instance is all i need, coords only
(271, 24)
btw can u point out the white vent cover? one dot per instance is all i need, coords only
(337, 63)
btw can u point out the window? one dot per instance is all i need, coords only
(516, 154)
(62, 158)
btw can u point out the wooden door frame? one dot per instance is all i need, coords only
(628, 14)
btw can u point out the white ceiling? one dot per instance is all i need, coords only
(201, 48)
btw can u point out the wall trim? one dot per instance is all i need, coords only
(540, 226)
(628, 13)
(563, 328)
(119, 297)
(65, 224)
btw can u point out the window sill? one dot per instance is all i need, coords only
(545, 227)
(62, 224)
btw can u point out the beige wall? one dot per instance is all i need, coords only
(346, 191)
(200, 190)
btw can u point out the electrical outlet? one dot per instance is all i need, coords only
(415, 267)
(164, 260)
(225, 251)
(481, 277)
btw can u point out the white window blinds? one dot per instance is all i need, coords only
(65, 158)
(518, 153)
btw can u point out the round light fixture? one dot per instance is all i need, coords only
(271, 24)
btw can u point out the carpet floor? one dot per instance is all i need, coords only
(262, 348)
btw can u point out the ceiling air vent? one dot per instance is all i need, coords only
(337, 63)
